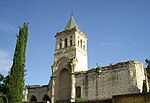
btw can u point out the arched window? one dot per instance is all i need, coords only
(81, 43)
(46, 98)
(66, 42)
(84, 47)
(78, 92)
(60, 45)
(78, 43)
(33, 98)
(70, 42)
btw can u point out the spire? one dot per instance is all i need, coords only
(71, 24)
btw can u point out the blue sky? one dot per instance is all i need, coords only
(117, 30)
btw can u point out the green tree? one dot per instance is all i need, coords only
(1, 97)
(3, 89)
(16, 76)
(144, 87)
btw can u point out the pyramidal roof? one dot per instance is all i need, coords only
(71, 24)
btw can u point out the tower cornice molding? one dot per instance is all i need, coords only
(66, 31)
(81, 33)
(71, 30)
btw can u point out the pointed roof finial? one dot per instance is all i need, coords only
(71, 12)
(71, 24)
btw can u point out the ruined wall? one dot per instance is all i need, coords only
(103, 83)
(121, 78)
(132, 98)
(39, 92)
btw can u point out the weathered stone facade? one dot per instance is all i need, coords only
(72, 80)
(103, 83)
(127, 98)
(132, 98)
(37, 93)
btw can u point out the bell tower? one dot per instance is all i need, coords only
(70, 56)
(72, 43)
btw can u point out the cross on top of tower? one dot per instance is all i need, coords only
(71, 12)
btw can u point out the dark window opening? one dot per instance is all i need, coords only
(78, 92)
(84, 47)
(60, 45)
(70, 42)
(46, 98)
(66, 44)
(81, 43)
(33, 98)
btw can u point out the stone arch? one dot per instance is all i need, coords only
(64, 62)
(63, 71)
(64, 85)
(45, 98)
(33, 98)
(63, 59)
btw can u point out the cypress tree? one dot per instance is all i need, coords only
(16, 76)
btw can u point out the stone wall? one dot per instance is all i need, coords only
(121, 78)
(39, 92)
(127, 98)
(103, 82)
(132, 98)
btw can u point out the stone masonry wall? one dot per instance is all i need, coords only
(127, 98)
(117, 79)
(39, 92)
(104, 82)
(132, 98)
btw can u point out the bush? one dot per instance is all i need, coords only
(79, 100)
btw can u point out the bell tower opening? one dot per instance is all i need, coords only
(66, 42)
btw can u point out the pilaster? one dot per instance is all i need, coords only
(73, 81)
(53, 89)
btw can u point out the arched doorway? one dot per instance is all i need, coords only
(33, 98)
(46, 98)
(64, 85)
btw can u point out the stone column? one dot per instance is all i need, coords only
(53, 89)
(73, 81)
(72, 88)
(63, 43)
(26, 94)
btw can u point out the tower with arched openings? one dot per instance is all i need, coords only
(70, 56)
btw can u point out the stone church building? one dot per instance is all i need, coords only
(71, 80)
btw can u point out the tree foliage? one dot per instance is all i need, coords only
(16, 76)
(3, 89)
(144, 86)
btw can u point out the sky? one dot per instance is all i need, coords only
(117, 30)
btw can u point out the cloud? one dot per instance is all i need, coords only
(114, 43)
(6, 27)
(110, 45)
(5, 60)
